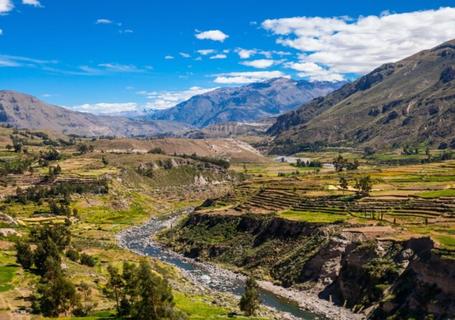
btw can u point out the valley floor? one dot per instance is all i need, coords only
(291, 226)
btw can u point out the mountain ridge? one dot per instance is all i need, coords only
(245, 103)
(407, 102)
(26, 111)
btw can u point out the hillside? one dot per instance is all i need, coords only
(230, 149)
(408, 102)
(25, 111)
(245, 104)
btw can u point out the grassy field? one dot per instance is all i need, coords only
(313, 217)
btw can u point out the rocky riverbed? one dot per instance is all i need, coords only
(289, 304)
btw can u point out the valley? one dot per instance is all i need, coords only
(291, 224)
(215, 160)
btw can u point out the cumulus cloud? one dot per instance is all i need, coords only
(184, 55)
(245, 53)
(259, 64)
(247, 77)
(343, 45)
(106, 108)
(219, 56)
(34, 3)
(214, 35)
(6, 6)
(169, 57)
(104, 21)
(314, 72)
(248, 53)
(159, 100)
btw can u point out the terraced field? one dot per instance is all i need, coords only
(415, 200)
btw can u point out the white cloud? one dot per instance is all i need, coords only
(259, 64)
(205, 52)
(126, 31)
(5, 62)
(34, 3)
(6, 6)
(18, 61)
(215, 35)
(169, 57)
(104, 21)
(121, 68)
(1, 32)
(314, 72)
(245, 53)
(248, 53)
(247, 77)
(159, 100)
(184, 55)
(106, 108)
(219, 56)
(345, 45)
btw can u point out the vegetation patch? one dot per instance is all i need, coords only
(314, 217)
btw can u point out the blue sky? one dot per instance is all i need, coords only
(108, 56)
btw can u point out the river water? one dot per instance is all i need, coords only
(139, 240)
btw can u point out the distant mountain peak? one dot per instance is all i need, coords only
(246, 103)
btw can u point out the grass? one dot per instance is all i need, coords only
(437, 193)
(198, 309)
(313, 217)
(6, 276)
(446, 241)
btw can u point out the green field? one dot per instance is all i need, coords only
(313, 217)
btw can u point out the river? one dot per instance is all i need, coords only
(139, 240)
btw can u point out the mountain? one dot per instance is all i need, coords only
(246, 103)
(408, 102)
(25, 111)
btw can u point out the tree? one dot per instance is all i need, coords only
(364, 186)
(55, 294)
(339, 163)
(141, 294)
(115, 286)
(343, 183)
(24, 255)
(250, 301)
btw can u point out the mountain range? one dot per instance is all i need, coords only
(25, 111)
(246, 103)
(408, 102)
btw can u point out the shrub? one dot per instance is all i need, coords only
(88, 260)
(72, 254)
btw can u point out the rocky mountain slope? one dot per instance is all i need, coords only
(25, 111)
(245, 104)
(408, 102)
(378, 278)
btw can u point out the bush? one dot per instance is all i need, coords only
(72, 254)
(88, 260)
(156, 150)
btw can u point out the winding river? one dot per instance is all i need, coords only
(139, 240)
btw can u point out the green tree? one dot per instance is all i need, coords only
(250, 301)
(364, 186)
(115, 286)
(343, 182)
(141, 294)
(24, 255)
(55, 295)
